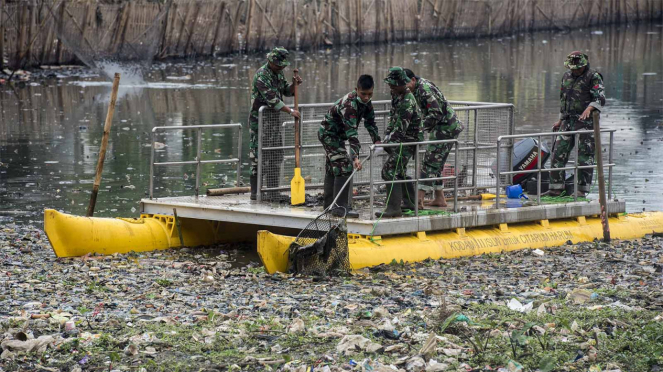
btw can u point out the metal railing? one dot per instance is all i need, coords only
(576, 134)
(474, 143)
(198, 161)
(416, 173)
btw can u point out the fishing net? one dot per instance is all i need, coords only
(321, 249)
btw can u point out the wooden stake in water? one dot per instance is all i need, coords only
(104, 144)
(599, 169)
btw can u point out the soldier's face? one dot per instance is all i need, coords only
(578, 71)
(274, 67)
(365, 94)
(395, 89)
(410, 85)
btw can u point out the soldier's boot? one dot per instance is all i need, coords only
(329, 190)
(409, 196)
(439, 200)
(272, 181)
(394, 203)
(342, 200)
(254, 187)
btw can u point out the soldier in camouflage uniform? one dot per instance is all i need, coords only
(269, 87)
(404, 126)
(340, 124)
(439, 118)
(581, 93)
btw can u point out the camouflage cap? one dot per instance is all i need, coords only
(279, 56)
(576, 60)
(396, 77)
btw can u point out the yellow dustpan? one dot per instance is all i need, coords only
(297, 190)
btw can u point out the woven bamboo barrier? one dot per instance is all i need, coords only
(52, 32)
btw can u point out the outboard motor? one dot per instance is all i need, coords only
(524, 157)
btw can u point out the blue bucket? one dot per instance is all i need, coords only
(514, 192)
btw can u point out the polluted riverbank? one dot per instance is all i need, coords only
(582, 307)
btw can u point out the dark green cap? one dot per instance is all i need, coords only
(279, 56)
(396, 76)
(576, 60)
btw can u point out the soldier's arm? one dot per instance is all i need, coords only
(268, 93)
(349, 117)
(369, 124)
(597, 92)
(400, 122)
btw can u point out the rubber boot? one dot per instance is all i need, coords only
(329, 190)
(342, 200)
(254, 187)
(409, 195)
(394, 204)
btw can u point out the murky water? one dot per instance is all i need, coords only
(51, 128)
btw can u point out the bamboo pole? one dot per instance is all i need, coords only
(196, 12)
(249, 16)
(360, 21)
(104, 144)
(218, 28)
(2, 34)
(599, 168)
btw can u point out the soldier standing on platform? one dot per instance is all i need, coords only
(340, 124)
(269, 87)
(404, 126)
(439, 118)
(581, 93)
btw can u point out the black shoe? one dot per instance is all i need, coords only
(329, 190)
(254, 187)
(394, 203)
(409, 195)
(342, 201)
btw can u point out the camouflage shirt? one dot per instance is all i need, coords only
(342, 121)
(269, 88)
(577, 93)
(434, 107)
(404, 119)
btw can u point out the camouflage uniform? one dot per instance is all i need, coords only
(268, 90)
(577, 93)
(340, 124)
(440, 119)
(404, 126)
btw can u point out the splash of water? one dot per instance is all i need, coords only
(130, 74)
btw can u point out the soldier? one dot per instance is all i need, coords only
(403, 127)
(581, 93)
(439, 118)
(269, 87)
(340, 124)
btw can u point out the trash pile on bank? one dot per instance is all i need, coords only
(591, 306)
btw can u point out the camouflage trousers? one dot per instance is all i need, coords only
(337, 160)
(271, 137)
(564, 146)
(396, 165)
(436, 155)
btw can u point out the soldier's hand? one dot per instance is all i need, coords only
(295, 114)
(297, 79)
(586, 113)
(357, 164)
(556, 126)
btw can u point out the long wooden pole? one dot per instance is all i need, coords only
(104, 144)
(599, 169)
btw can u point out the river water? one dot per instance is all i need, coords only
(51, 127)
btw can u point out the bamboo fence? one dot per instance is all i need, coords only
(57, 32)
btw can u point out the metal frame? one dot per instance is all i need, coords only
(538, 171)
(198, 161)
(472, 106)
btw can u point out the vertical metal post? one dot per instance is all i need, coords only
(538, 174)
(610, 166)
(476, 144)
(259, 176)
(497, 183)
(370, 174)
(455, 178)
(199, 133)
(575, 176)
(152, 165)
(416, 180)
(239, 155)
(510, 152)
